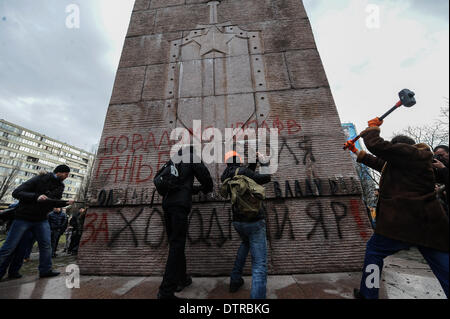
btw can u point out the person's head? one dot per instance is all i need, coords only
(82, 210)
(441, 151)
(62, 172)
(232, 158)
(57, 210)
(403, 139)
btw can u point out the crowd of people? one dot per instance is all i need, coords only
(39, 216)
(412, 210)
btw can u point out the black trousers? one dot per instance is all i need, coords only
(176, 220)
(55, 236)
(75, 241)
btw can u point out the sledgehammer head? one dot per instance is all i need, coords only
(407, 98)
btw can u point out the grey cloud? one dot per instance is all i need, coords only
(43, 61)
(438, 8)
(311, 4)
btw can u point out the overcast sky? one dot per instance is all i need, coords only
(58, 81)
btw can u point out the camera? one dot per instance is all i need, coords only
(439, 157)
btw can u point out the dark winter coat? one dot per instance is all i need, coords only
(442, 177)
(57, 221)
(77, 221)
(249, 171)
(182, 196)
(29, 208)
(407, 209)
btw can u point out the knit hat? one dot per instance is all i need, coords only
(62, 169)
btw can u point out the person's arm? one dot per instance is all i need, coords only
(370, 161)
(402, 155)
(27, 191)
(203, 175)
(57, 193)
(58, 203)
(441, 174)
(260, 159)
(261, 179)
(252, 166)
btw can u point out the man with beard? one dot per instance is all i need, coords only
(36, 199)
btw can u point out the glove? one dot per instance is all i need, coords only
(350, 145)
(376, 122)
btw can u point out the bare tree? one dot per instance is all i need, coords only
(7, 181)
(433, 134)
(444, 116)
(368, 184)
(83, 192)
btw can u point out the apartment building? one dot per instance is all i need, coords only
(30, 152)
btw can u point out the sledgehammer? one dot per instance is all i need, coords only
(406, 99)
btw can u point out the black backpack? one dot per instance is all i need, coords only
(167, 178)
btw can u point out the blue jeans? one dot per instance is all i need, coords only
(29, 247)
(380, 247)
(15, 261)
(254, 240)
(40, 230)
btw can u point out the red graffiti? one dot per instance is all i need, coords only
(93, 230)
(291, 125)
(121, 163)
(135, 169)
(124, 143)
(354, 207)
(137, 142)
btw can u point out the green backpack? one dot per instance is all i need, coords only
(246, 194)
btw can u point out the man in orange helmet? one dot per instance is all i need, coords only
(251, 230)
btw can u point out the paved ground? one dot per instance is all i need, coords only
(405, 276)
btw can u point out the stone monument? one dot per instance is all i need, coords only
(230, 64)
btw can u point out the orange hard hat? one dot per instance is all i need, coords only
(232, 154)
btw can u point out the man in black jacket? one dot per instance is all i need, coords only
(35, 196)
(177, 205)
(58, 224)
(251, 230)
